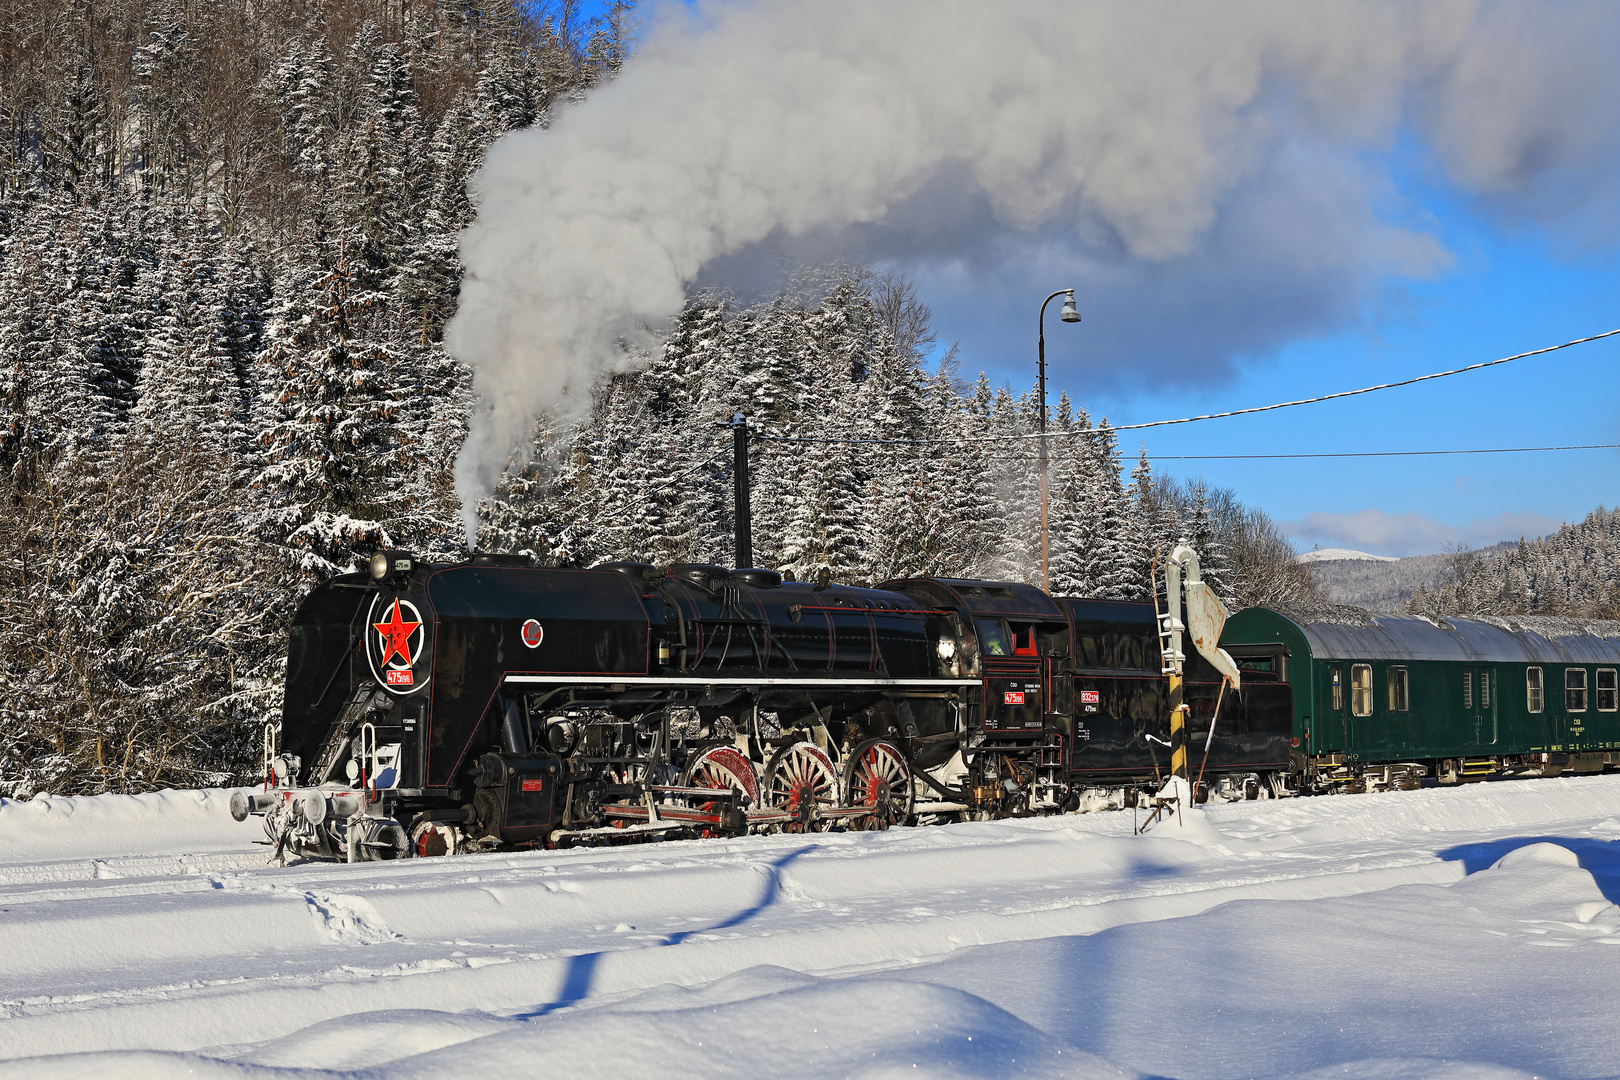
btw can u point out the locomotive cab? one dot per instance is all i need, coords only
(1016, 639)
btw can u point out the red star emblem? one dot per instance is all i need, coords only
(396, 634)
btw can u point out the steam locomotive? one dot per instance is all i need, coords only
(433, 708)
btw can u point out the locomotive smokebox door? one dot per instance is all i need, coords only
(1014, 707)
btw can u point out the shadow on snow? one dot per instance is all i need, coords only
(582, 968)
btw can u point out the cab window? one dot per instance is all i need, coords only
(995, 637)
(1023, 639)
(1336, 678)
(1533, 690)
(1361, 691)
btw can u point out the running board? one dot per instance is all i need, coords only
(729, 680)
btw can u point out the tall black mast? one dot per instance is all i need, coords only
(744, 515)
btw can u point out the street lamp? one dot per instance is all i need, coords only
(1068, 313)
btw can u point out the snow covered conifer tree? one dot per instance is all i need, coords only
(1202, 535)
(332, 451)
(187, 393)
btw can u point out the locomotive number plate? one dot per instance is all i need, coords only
(1013, 697)
(399, 676)
(1090, 697)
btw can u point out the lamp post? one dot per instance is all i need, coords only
(1068, 313)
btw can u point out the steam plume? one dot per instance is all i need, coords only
(1125, 127)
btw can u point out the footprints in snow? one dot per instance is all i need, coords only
(348, 920)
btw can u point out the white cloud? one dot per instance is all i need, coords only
(1381, 533)
(1196, 161)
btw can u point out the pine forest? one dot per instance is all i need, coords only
(1573, 572)
(227, 254)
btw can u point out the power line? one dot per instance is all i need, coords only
(1378, 453)
(1207, 416)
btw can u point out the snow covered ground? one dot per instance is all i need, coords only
(1438, 933)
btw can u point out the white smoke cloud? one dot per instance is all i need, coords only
(1121, 132)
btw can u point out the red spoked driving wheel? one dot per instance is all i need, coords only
(876, 775)
(801, 780)
(721, 768)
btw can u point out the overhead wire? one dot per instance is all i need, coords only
(1376, 453)
(1352, 454)
(1089, 431)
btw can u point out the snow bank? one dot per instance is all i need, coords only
(759, 1023)
(1441, 933)
(59, 828)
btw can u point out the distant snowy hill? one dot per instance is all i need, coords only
(1337, 554)
(1378, 581)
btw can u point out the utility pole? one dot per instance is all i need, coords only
(743, 513)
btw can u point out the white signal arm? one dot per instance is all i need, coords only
(1206, 616)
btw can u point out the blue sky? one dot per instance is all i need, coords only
(1329, 268)
(1511, 288)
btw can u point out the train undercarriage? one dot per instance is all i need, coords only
(689, 780)
(589, 774)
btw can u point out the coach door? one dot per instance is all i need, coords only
(1361, 706)
(1479, 704)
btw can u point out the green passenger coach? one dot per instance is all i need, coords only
(1386, 700)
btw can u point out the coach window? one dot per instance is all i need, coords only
(1397, 689)
(1532, 689)
(1468, 688)
(1575, 689)
(1361, 692)
(1485, 688)
(1607, 698)
(1336, 677)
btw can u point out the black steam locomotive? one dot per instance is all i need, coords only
(434, 708)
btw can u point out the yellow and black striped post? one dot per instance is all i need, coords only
(1178, 728)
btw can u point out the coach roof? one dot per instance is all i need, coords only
(1349, 633)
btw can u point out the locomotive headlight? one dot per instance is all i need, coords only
(947, 648)
(384, 563)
